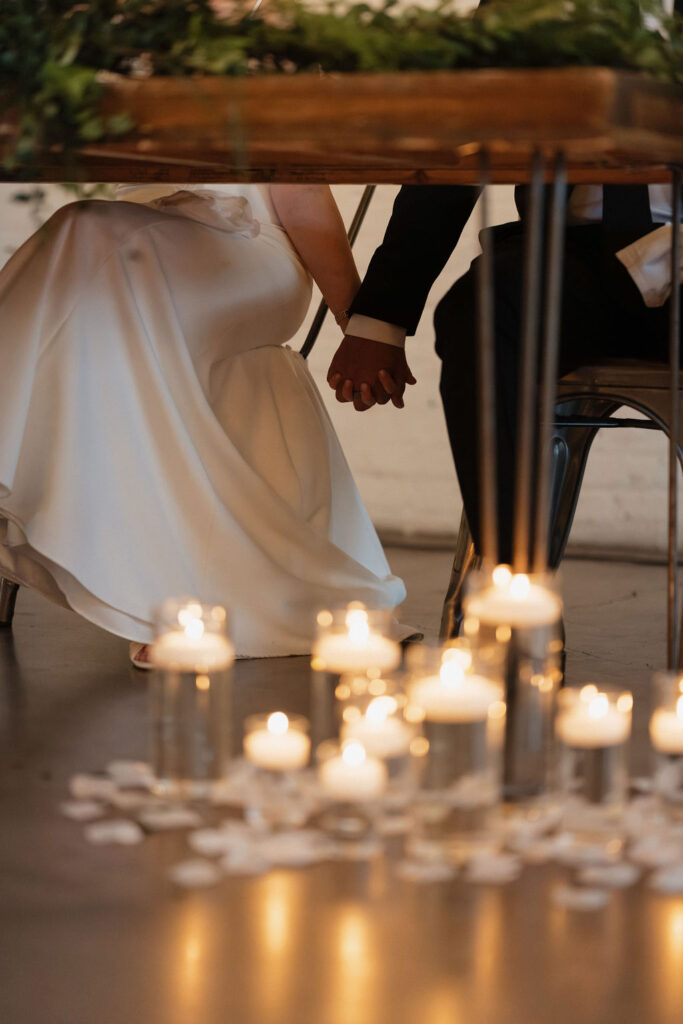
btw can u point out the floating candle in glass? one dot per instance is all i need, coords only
(190, 698)
(593, 727)
(278, 746)
(351, 642)
(666, 734)
(521, 616)
(462, 715)
(351, 775)
(277, 742)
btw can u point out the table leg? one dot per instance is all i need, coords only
(528, 376)
(486, 426)
(549, 362)
(673, 652)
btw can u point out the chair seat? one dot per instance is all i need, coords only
(633, 374)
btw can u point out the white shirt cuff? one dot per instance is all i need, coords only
(648, 261)
(376, 330)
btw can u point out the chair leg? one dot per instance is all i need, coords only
(571, 446)
(8, 597)
(464, 562)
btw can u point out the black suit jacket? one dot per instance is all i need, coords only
(425, 225)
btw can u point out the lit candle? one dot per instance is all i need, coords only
(379, 730)
(666, 729)
(514, 600)
(357, 649)
(454, 695)
(277, 746)
(593, 720)
(353, 776)
(191, 648)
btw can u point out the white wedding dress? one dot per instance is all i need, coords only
(158, 438)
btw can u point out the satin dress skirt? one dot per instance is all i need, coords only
(157, 436)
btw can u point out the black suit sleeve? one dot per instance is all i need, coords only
(425, 225)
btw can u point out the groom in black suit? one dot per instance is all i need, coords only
(603, 314)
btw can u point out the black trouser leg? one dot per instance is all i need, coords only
(602, 315)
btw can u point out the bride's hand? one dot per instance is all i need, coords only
(369, 372)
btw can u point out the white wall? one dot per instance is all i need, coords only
(401, 458)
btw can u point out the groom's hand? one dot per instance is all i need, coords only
(367, 372)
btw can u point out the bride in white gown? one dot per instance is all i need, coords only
(157, 436)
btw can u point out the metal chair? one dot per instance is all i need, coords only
(586, 399)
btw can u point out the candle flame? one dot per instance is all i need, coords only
(520, 585)
(501, 575)
(325, 618)
(679, 707)
(588, 692)
(599, 706)
(357, 625)
(498, 709)
(459, 655)
(194, 629)
(379, 709)
(451, 673)
(625, 703)
(278, 723)
(353, 754)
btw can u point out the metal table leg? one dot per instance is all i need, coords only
(673, 653)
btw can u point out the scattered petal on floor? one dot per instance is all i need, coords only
(120, 832)
(88, 787)
(131, 799)
(82, 810)
(157, 819)
(296, 849)
(393, 825)
(545, 849)
(195, 873)
(495, 869)
(130, 774)
(610, 876)
(212, 842)
(668, 880)
(656, 851)
(244, 862)
(578, 898)
(363, 849)
(423, 872)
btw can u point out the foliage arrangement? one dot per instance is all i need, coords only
(52, 50)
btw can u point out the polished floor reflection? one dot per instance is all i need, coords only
(99, 934)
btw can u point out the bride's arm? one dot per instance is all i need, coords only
(310, 217)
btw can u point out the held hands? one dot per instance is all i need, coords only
(367, 372)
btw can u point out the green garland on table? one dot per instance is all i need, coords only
(52, 50)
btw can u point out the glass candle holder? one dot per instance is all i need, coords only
(351, 784)
(278, 747)
(666, 735)
(373, 712)
(354, 642)
(190, 698)
(463, 723)
(522, 616)
(593, 728)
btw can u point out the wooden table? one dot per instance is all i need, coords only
(392, 128)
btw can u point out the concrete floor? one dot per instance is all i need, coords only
(614, 618)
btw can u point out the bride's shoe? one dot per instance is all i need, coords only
(134, 651)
